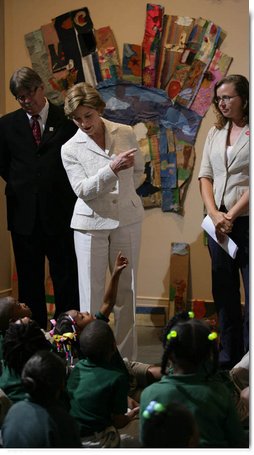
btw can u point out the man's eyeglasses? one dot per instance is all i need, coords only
(22, 98)
(226, 99)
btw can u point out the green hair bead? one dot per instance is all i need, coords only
(172, 334)
(153, 408)
(212, 336)
(158, 407)
(146, 414)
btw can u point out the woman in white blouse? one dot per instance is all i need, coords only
(224, 186)
(105, 166)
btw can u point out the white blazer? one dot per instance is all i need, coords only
(230, 177)
(105, 200)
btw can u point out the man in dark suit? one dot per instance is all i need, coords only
(39, 197)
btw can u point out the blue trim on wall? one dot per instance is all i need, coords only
(150, 310)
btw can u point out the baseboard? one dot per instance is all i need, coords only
(150, 311)
(156, 312)
(5, 292)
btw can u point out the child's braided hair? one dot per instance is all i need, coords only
(65, 337)
(189, 342)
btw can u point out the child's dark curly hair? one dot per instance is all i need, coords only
(21, 341)
(171, 426)
(189, 343)
(97, 341)
(44, 376)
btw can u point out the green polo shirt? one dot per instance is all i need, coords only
(11, 384)
(210, 402)
(96, 391)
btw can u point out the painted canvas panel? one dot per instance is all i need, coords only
(60, 75)
(132, 63)
(151, 43)
(67, 36)
(39, 59)
(175, 34)
(107, 49)
(179, 276)
(218, 68)
(164, 83)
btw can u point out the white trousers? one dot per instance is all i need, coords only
(97, 250)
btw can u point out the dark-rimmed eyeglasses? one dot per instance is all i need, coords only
(226, 99)
(30, 94)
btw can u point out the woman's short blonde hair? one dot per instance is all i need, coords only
(83, 94)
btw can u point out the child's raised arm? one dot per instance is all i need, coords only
(110, 295)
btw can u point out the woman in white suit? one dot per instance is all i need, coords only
(104, 166)
(224, 185)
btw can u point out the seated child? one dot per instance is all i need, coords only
(98, 391)
(73, 321)
(171, 426)
(235, 379)
(10, 311)
(40, 421)
(191, 351)
(69, 325)
(239, 375)
(22, 339)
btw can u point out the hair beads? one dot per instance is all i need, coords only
(64, 342)
(171, 334)
(212, 336)
(153, 408)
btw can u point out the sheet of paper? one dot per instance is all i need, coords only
(228, 245)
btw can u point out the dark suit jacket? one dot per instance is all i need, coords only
(35, 176)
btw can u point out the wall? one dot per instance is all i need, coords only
(5, 250)
(127, 20)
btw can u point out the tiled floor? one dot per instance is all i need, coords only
(149, 345)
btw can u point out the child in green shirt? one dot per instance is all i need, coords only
(69, 325)
(40, 421)
(98, 390)
(191, 352)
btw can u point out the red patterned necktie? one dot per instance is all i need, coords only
(36, 129)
